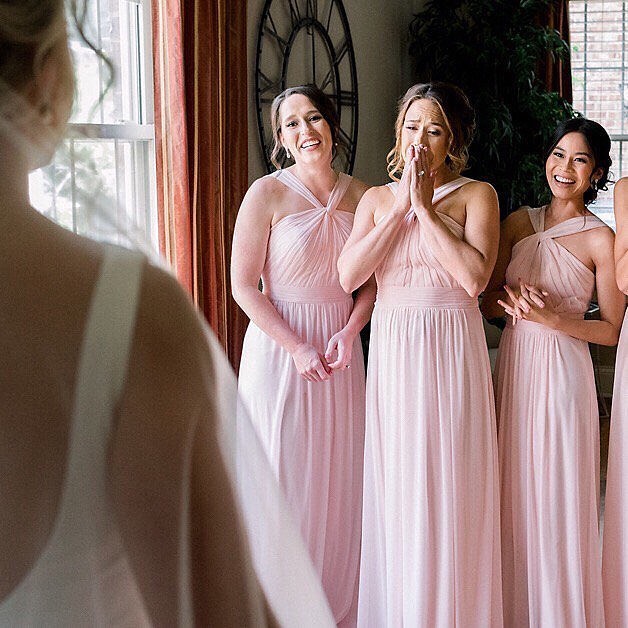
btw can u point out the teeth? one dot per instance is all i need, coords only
(308, 144)
(563, 179)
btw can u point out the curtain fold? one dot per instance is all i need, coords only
(556, 73)
(200, 52)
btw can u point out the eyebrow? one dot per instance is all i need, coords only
(430, 123)
(580, 153)
(307, 113)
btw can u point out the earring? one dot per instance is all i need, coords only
(594, 184)
(288, 155)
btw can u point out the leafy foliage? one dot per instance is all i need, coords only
(492, 50)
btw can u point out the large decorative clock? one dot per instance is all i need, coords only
(307, 41)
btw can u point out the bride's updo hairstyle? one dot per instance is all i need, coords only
(459, 118)
(30, 31)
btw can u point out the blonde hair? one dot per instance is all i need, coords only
(459, 118)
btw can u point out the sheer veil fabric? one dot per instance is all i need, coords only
(280, 564)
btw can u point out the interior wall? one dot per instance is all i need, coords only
(379, 33)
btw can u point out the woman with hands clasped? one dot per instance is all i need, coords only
(430, 522)
(551, 260)
(615, 555)
(302, 370)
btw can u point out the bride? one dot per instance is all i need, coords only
(119, 500)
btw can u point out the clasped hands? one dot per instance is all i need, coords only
(316, 367)
(416, 188)
(528, 303)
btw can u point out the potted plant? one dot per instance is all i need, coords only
(492, 49)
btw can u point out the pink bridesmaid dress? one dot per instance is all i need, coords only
(615, 555)
(313, 433)
(430, 532)
(549, 444)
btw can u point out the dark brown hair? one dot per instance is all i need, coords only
(321, 102)
(600, 144)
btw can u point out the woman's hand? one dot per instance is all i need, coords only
(529, 303)
(340, 343)
(422, 181)
(402, 198)
(310, 364)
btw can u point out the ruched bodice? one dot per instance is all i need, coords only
(313, 432)
(549, 443)
(430, 522)
(304, 247)
(536, 258)
(410, 261)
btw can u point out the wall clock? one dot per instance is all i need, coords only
(307, 41)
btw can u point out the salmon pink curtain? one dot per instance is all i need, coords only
(201, 141)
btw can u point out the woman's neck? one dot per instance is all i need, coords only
(563, 209)
(444, 175)
(14, 191)
(321, 178)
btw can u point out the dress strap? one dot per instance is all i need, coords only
(578, 224)
(293, 182)
(537, 218)
(342, 185)
(440, 192)
(100, 382)
(444, 190)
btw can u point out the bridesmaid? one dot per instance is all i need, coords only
(551, 260)
(430, 532)
(615, 556)
(302, 369)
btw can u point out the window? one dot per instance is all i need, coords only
(599, 58)
(110, 150)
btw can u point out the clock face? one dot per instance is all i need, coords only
(301, 42)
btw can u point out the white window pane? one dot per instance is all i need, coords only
(116, 27)
(599, 60)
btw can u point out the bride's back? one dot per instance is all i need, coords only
(123, 506)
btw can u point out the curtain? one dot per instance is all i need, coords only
(200, 65)
(556, 73)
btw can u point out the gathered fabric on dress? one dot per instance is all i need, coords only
(615, 555)
(549, 443)
(313, 432)
(430, 535)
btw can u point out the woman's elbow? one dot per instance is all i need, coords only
(238, 292)
(347, 285)
(622, 283)
(475, 286)
(344, 276)
(613, 338)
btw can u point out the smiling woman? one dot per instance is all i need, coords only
(302, 370)
(551, 259)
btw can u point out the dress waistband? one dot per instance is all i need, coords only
(425, 297)
(530, 327)
(309, 294)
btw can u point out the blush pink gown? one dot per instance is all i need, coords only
(430, 532)
(313, 432)
(615, 556)
(549, 444)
